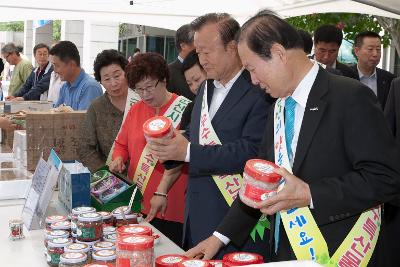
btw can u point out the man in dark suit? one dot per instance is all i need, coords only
(392, 109)
(237, 112)
(184, 44)
(327, 41)
(367, 47)
(343, 157)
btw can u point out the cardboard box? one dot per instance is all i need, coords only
(7, 137)
(47, 130)
(16, 106)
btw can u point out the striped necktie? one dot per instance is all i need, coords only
(290, 105)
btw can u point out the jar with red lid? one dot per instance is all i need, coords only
(134, 230)
(135, 251)
(241, 259)
(124, 216)
(217, 263)
(50, 235)
(169, 260)
(73, 259)
(55, 248)
(108, 219)
(158, 127)
(78, 247)
(89, 227)
(105, 256)
(74, 216)
(54, 218)
(102, 245)
(193, 263)
(259, 181)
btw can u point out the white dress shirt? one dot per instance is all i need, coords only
(370, 81)
(219, 95)
(300, 95)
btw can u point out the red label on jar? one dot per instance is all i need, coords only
(257, 194)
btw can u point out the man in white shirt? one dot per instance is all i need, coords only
(237, 115)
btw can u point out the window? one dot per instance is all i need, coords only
(155, 44)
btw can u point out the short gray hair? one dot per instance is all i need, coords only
(9, 49)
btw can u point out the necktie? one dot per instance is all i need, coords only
(290, 105)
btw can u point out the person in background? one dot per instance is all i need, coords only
(194, 73)
(327, 41)
(104, 116)
(184, 44)
(37, 83)
(80, 89)
(307, 41)
(136, 51)
(22, 69)
(367, 47)
(147, 74)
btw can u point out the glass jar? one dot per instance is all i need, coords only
(50, 235)
(170, 260)
(108, 219)
(75, 213)
(242, 259)
(217, 263)
(54, 218)
(105, 256)
(124, 216)
(134, 230)
(78, 247)
(158, 127)
(89, 227)
(135, 251)
(55, 248)
(259, 181)
(101, 245)
(73, 259)
(111, 237)
(64, 225)
(193, 263)
(108, 231)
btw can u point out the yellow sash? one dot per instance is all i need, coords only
(228, 185)
(147, 161)
(304, 235)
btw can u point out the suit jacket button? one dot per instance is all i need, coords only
(331, 218)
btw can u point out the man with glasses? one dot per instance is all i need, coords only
(22, 69)
(327, 41)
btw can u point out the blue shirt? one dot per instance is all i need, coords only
(80, 93)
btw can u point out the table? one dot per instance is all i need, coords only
(29, 252)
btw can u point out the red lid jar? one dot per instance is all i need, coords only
(134, 230)
(259, 181)
(241, 259)
(193, 263)
(135, 250)
(169, 260)
(217, 263)
(158, 127)
(54, 218)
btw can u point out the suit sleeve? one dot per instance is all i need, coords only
(374, 159)
(230, 158)
(390, 110)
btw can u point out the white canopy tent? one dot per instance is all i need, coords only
(171, 14)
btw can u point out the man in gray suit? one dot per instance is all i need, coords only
(184, 44)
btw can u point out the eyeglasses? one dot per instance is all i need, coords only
(149, 89)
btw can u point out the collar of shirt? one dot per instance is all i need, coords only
(361, 75)
(300, 94)
(180, 59)
(334, 65)
(78, 80)
(229, 84)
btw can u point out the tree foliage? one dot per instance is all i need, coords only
(350, 23)
(56, 30)
(12, 26)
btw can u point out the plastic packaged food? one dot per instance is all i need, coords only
(135, 251)
(193, 263)
(54, 218)
(101, 245)
(108, 219)
(89, 227)
(75, 213)
(73, 259)
(105, 256)
(134, 230)
(241, 259)
(16, 229)
(259, 181)
(55, 248)
(104, 184)
(113, 191)
(169, 260)
(158, 127)
(79, 247)
(50, 235)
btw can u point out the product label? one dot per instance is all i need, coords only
(53, 258)
(104, 244)
(264, 168)
(105, 253)
(134, 239)
(77, 246)
(87, 233)
(257, 194)
(90, 215)
(134, 230)
(56, 218)
(73, 255)
(193, 263)
(171, 259)
(243, 257)
(157, 125)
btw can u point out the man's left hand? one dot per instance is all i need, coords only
(295, 194)
(169, 149)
